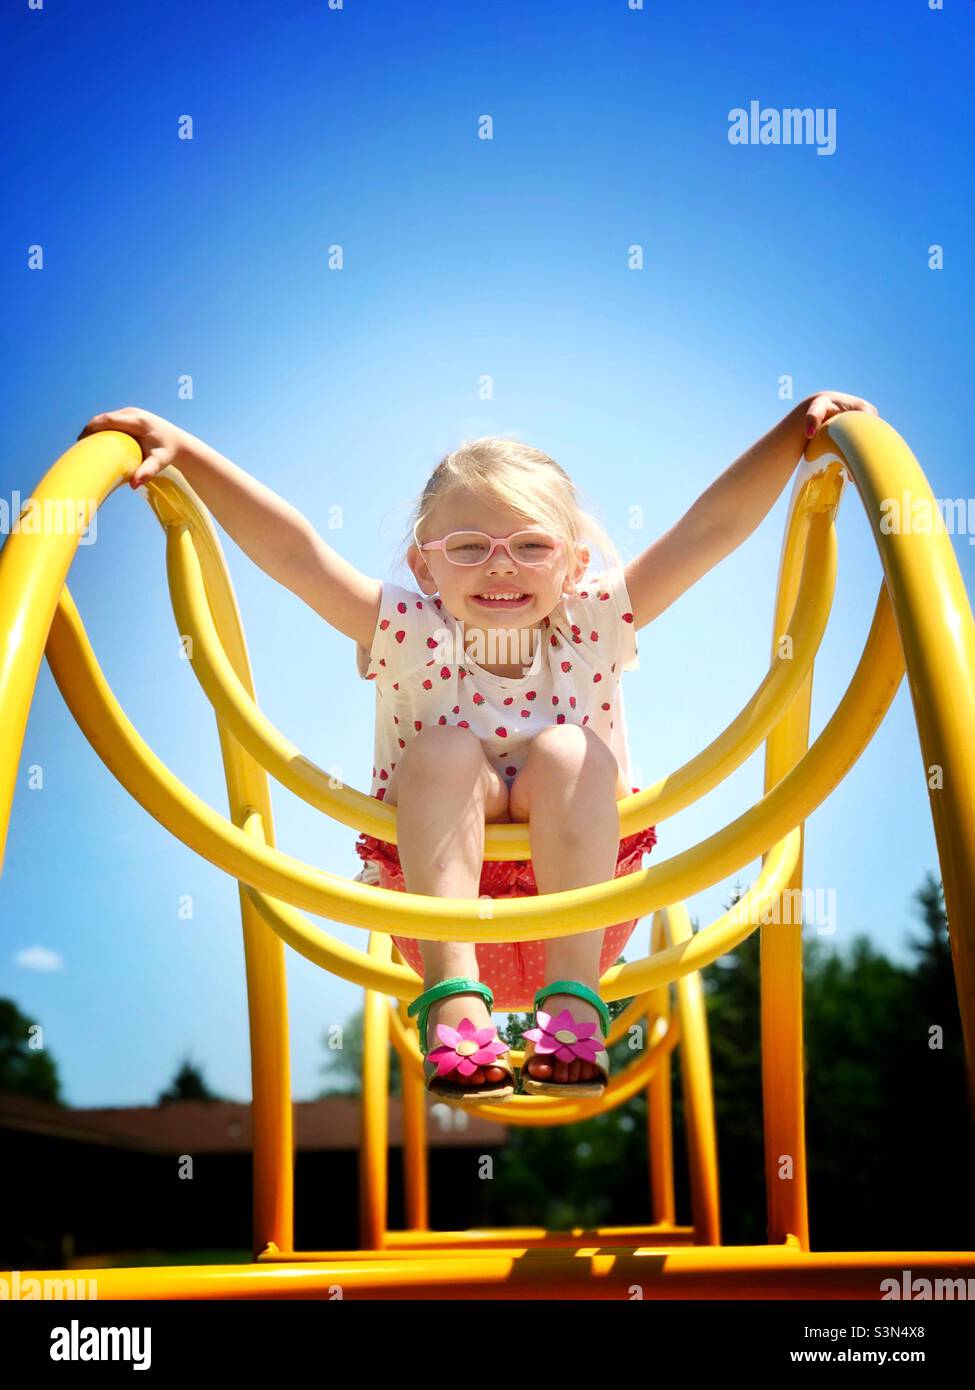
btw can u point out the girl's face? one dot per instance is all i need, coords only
(459, 585)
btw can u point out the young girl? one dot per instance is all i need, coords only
(498, 698)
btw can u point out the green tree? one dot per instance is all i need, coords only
(343, 1064)
(188, 1084)
(25, 1068)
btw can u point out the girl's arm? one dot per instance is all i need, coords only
(730, 509)
(276, 536)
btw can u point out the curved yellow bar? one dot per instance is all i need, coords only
(792, 657)
(937, 634)
(33, 568)
(429, 918)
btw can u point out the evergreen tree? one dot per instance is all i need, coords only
(25, 1068)
(188, 1084)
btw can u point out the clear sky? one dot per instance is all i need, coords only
(166, 258)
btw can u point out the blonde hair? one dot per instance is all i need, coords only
(521, 478)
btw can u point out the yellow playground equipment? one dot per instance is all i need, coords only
(922, 620)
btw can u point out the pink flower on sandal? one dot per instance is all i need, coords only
(565, 1036)
(465, 1048)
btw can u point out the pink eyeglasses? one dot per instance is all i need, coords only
(533, 547)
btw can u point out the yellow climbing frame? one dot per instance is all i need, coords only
(922, 620)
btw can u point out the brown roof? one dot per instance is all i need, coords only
(221, 1126)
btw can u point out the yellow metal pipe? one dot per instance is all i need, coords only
(937, 633)
(374, 1141)
(792, 656)
(34, 563)
(733, 1272)
(783, 1099)
(660, 1110)
(415, 1167)
(673, 925)
(430, 918)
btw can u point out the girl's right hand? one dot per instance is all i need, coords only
(161, 441)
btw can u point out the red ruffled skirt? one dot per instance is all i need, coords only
(513, 970)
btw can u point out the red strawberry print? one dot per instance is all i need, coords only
(456, 709)
(572, 701)
(442, 719)
(501, 731)
(510, 700)
(594, 636)
(526, 714)
(597, 677)
(384, 774)
(432, 642)
(418, 724)
(380, 793)
(530, 694)
(478, 698)
(627, 617)
(510, 771)
(585, 719)
(371, 676)
(401, 607)
(555, 699)
(554, 640)
(584, 594)
(566, 665)
(384, 625)
(604, 705)
(576, 627)
(395, 718)
(428, 685)
(463, 724)
(399, 635)
(396, 685)
(445, 673)
(602, 597)
(401, 743)
(560, 719)
(576, 637)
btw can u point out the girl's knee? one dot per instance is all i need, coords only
(440, 745)
(574, 748)
(446, 748)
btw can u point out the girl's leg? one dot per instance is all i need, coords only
(445, 790)
(568, 791)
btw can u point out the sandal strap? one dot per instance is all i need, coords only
(457, 984)
(581, 991)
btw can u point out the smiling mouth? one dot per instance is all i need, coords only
(506, 601)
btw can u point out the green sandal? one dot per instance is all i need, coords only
(564, 1038)
(461, 1050)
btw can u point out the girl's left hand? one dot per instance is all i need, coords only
(825, 404)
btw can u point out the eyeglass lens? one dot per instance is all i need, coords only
(473, 547)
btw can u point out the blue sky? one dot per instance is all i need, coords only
(341, 389)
